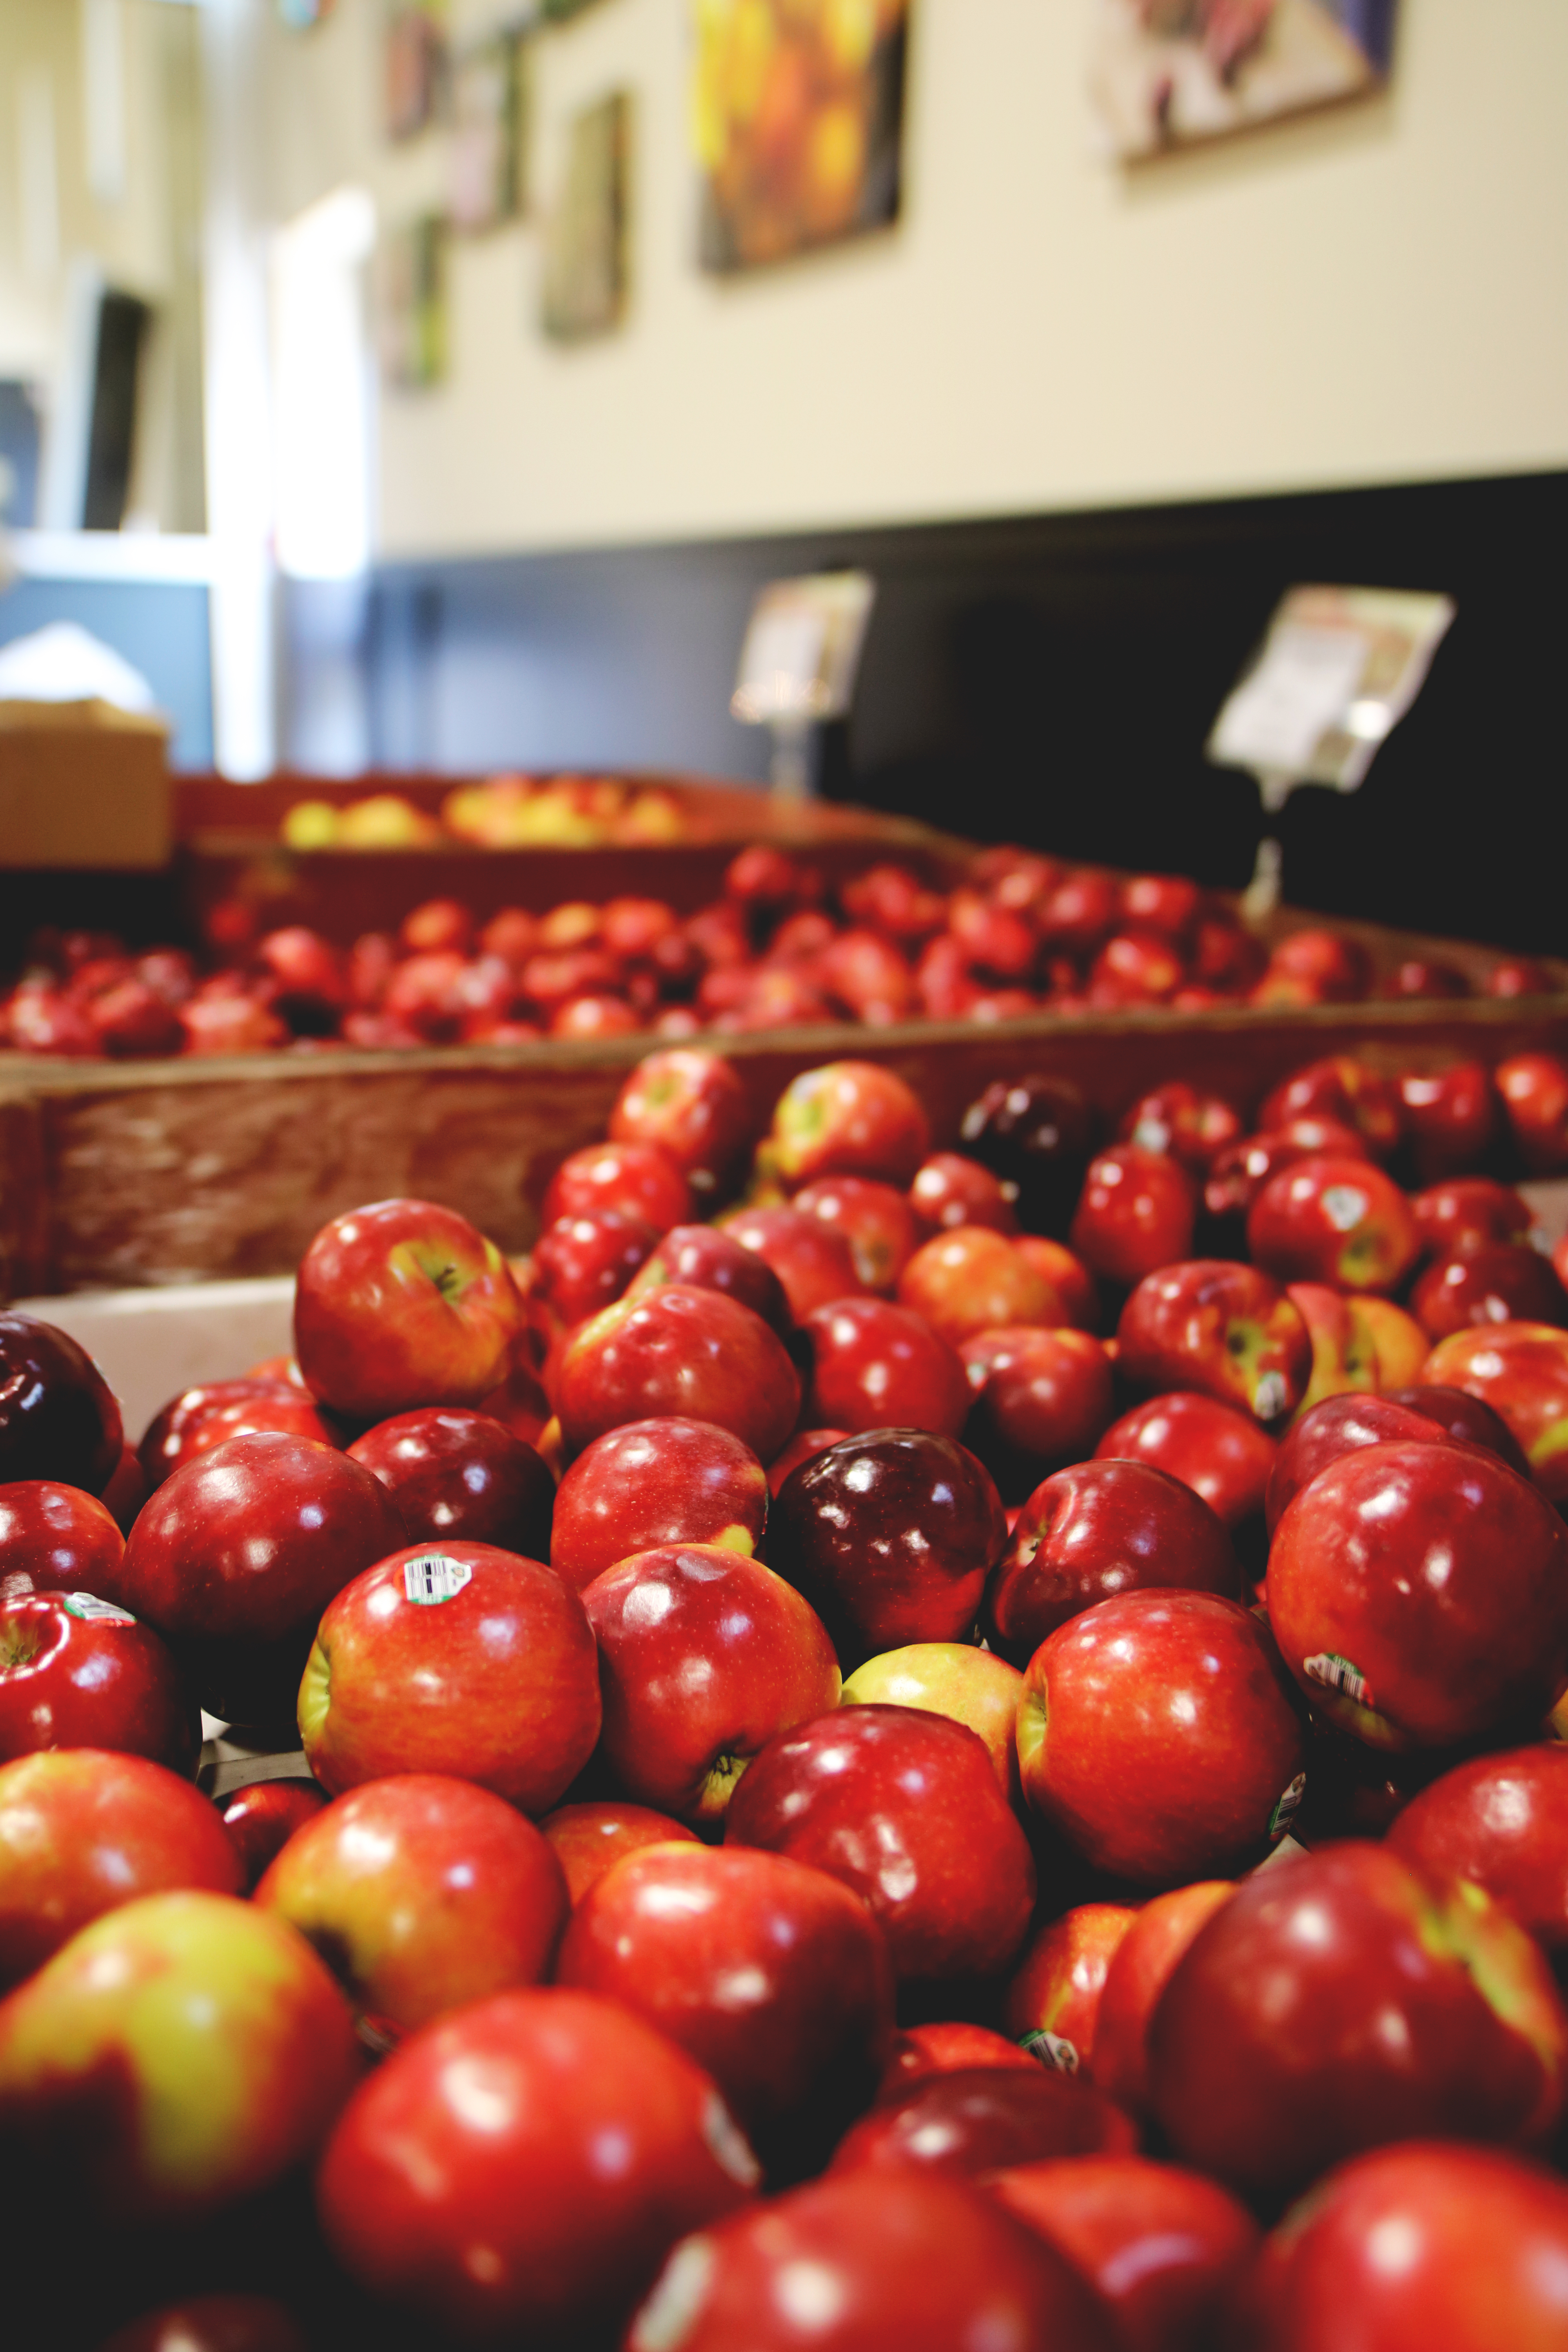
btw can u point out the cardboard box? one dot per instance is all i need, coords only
(84, 784)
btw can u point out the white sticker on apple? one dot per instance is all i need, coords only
(94, 1612)
(1344, 1205)
(1332, 1673)
(1053, 2050)
(434, 1577)
(1286, 1810)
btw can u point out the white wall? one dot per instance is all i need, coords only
(1374, 294)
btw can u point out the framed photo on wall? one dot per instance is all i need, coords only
(416, 65)
(486, 168)
(1171, 73)
(798, 109)
(411, 303)
(587, 234)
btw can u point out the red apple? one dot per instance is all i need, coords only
(1190, 1126)
(1464, 1416)
(949, 1189)
(1161, 2246)
(466, 1661)
(583, 1263)
(1099, 1528)
(949, 2047)
(1464, 1209)
(1426, 2244)
(704, 1656)
(461, 1476)
(1499, 1822)
(1141, 1968)
(695, 1109)
(890, 1535)
(770, 1975)
(703, 1258)
(306, 976)
(1036, 1134)
(1159, 1738)
(803, 1446)
(678, 1352)
(656, 1482)
(1223, 1328)
(56, 1539)
(1520, 1369)
(200, 1418)
(178, 2054)
(263, 1816)
(974, 1279)
(1519, 976)
(1220, 1454)
(1240, 1171)
(1451, 1118)
(815, 1264)
(1344, 2003)
(236, 1556)
(1344, 1355)
(1053, 1996)
(521, 2170)
(58, 1420)
(848, 1118)
(1168, 903)
(78, 1672)
(1489, 1283)
(636, 1179)
(1419, 1595)
(1337, 1221)
(1338, 1426)
(125, 1492)
(422, 1894)
(212, 2323)
(969, 2123)
(971, 1686)
(877, 1366)
(589, 1838)
(1534, 1090)
(904, 1807)
(1136, 1212)
(870, 2261)
(402, 1303)
(1346, 1090)
(82, 1831)
(876, 1219)
(1040, 1399)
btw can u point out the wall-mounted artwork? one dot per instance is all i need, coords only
(411, 303)
(555, 12)
(416, 65)
(587, 234)
(487, 171)
(1167, 73)
(301, 14)
(798, 111)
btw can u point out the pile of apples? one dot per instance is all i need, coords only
(1023, 934)
(889, 1754)
(508, 811)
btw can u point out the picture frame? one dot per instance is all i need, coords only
(1168, 74)
(587, 233)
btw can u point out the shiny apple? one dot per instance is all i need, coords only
(78, 1672)
(1136, 1212)
(971, 1686)
(972, 2123)
(589, 1838)
(1140, 1968)
(1221, 1454)
(876, 1366)
(704, 1258)
(56, 1539)
(693, 1106)
(262, 1816)
(1052, 1999)
(1039, 1399)
(1336, 1221)
(460, 1475)
(58, 1420)
(656, 1482)
(1227, 1330)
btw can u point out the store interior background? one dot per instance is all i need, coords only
(1083, 423)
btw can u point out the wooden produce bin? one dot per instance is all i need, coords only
(161, 1172)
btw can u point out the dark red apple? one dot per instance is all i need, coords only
(1052, 2001)
(848, 1118)
(1489, 1283)
(1419, 1595)
(695, 1354)
(1336, 1221)
(464, 1660)
(1225, 1330)
(1159, 1738)
(1451, 1118)
(402, 1303)
(693, 1106)
(1189, 1125)
(590, 1838)
(876, 1366)
(200, 1418)
(951, 1189)
(1136, 1212)
(1343, 2002)
(59, 1539)
(1464, 1209)
(1221, 1454)
(263, 1816)
(583, 1263)
(1036, 1134)
(1039, 1399)
(656, 1482)
(1099, 1528)
(871, 2262)
(1240, 1171)
(814, 1263)
(890, 1535)
(212, 2323)
(638, 1179)
(1500, 1822)
(876, 1219)
(1535, 1091)
(78, 1672)
(58, 1419)
(521, 2170)
(422, 1894)
(1162, 2246)
(460, 1475)
(948, 2047)
(1141, 1968)
(972, 2122)
(82, 1831)
(1336, 1426)
(772, 1975)
(704, 1656)
(904, 1807)
(126, 1491)
(1340, 1088)
(1464, 1416)
(236, 1556)
(702, 1257)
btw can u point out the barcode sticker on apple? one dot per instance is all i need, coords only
(94, 1612)
(1053, 2050)
(1286, 1810)
(1332, 1673)
(433, 1578)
